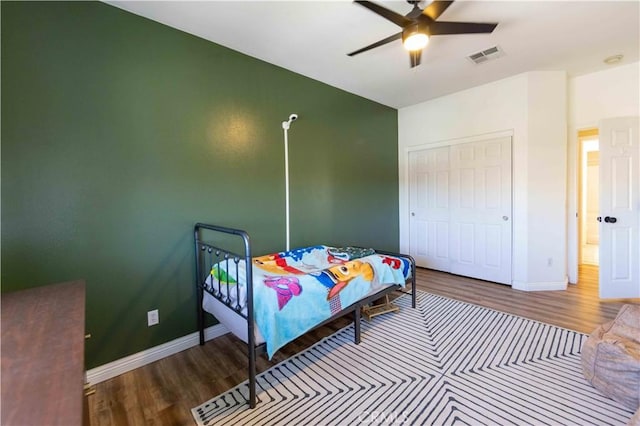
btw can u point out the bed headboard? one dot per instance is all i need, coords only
(210, 251)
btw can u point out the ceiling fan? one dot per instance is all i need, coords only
(418, 25)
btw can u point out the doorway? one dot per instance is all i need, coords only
(619, 269)
(618, 219)
(589, 191)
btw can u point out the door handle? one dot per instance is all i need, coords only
(609, 219)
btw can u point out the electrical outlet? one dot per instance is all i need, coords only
(153, 318)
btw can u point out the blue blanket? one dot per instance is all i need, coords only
(296, 290)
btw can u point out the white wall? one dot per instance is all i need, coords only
(593, 97)
(546, 183)
(533, 107)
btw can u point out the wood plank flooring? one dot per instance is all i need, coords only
(163, 393)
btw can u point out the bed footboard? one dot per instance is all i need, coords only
(411, 280)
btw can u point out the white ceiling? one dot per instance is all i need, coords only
(312, 38)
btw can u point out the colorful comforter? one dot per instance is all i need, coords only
(296, 290)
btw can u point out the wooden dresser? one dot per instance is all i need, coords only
(43, 355)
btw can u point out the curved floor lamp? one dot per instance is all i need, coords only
(285, 127)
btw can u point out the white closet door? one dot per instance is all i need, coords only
(429, 207)
(460, 206)
(620, 208)
(480, 210)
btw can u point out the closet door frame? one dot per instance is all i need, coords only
(448, 143)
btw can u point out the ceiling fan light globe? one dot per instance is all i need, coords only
(416, 41)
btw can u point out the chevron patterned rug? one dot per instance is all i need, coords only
(443, 363)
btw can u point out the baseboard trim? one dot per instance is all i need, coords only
(541, 286)
(137, 360)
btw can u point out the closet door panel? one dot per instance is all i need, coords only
(481, 201)
(429, 207)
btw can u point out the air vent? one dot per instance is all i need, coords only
(486, 55)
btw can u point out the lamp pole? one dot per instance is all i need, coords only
(285, 126)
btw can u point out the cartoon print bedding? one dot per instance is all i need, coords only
(296, 290)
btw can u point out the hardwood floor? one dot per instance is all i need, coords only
(163, 393)
(577, 308)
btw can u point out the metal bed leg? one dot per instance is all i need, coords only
(413, 292)
(356, 323)
(413, 283)
(200, 317)
(199, 288)
(252, 378)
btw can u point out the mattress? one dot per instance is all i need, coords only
(230, 319)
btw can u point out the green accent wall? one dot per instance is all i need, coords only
(119, 133)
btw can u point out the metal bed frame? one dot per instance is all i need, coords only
(208, 255)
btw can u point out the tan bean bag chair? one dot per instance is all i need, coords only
(611, 357)
(635, 420)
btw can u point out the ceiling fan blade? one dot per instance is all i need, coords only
(436, 8)
(397, 19)
(415, 56)
(377, 44)
(441, 28)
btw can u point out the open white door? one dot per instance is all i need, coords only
(619, 208)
